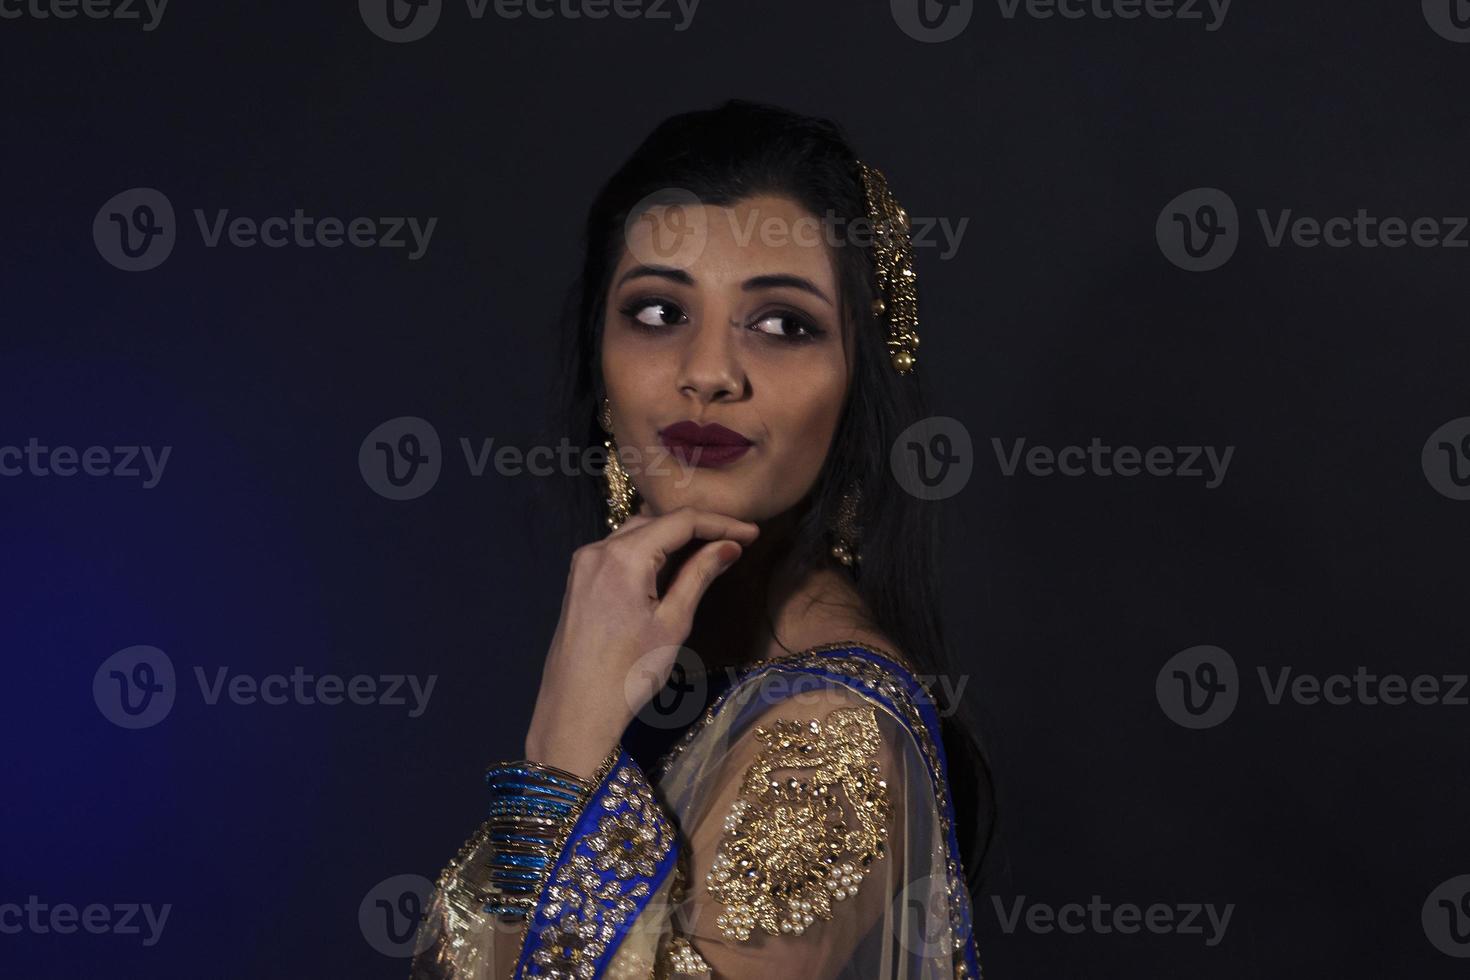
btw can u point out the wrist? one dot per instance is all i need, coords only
(581, 754)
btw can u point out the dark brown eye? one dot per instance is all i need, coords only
(786, 325)
(654, 313)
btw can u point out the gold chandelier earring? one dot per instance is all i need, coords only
(621, 494)
(844, 528)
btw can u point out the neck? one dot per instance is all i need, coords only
(763, 605)
(733, 622)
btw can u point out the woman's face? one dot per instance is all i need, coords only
(725, 316)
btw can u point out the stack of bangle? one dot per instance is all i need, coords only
(532, 809)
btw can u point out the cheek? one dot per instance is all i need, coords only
(632, 375)
(808, 420)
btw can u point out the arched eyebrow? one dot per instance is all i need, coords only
(771, 281)
(659, 271)
(790, 281)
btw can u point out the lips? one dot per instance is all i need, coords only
(704, 445)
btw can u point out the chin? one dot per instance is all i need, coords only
(731, 501)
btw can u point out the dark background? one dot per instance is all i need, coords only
(1059, 319)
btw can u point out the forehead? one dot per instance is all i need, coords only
(722, 246)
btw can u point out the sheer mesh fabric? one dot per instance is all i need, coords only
(892, 919)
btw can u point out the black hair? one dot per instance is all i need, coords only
(720, 156)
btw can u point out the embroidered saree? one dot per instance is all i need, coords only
(801, 827)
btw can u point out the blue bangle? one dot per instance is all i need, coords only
(531, 809)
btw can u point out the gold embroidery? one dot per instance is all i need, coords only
(584, 913)
(836, 657)
(788, 851)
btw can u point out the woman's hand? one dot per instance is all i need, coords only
(612, 618)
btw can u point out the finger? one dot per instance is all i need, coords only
(694, 579)
(638, 518)
(667, 534)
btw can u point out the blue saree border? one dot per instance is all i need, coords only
(585, 826)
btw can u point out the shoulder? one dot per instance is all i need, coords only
(866, 661)
(806, 808)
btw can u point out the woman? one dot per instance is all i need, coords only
(747, 326)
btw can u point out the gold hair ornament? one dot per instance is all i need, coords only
(893, 254)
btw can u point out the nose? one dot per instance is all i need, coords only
(711, 370)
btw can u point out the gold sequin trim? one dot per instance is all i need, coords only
(583, 913)
(788, 851)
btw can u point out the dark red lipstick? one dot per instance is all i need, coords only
(703, 445)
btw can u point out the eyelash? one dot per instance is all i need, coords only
(813, 332)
